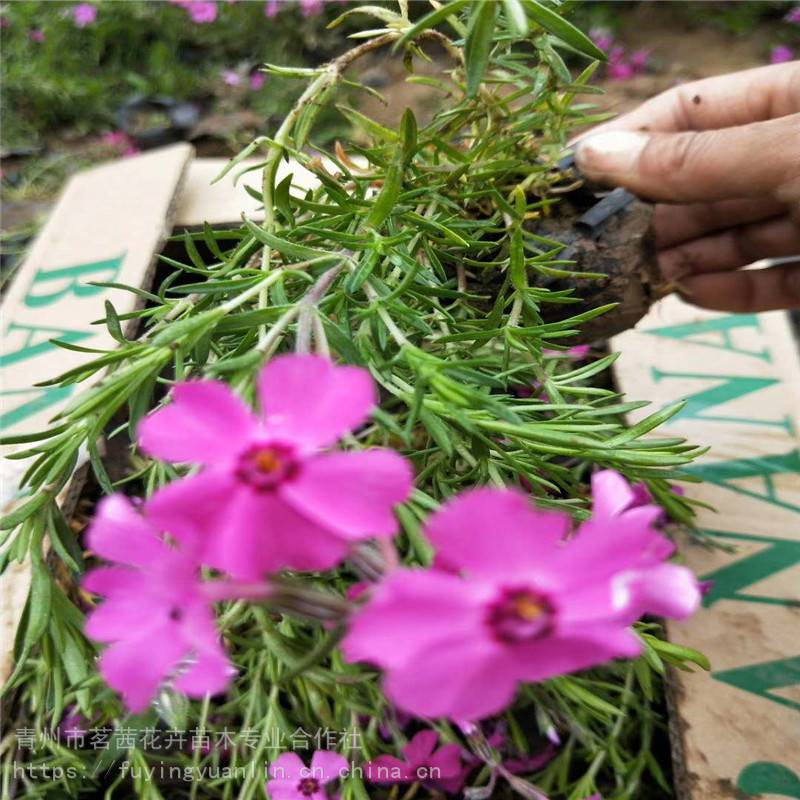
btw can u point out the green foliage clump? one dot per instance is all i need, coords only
(412, 257)
(77, 77)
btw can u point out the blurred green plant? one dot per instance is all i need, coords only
(58, 75)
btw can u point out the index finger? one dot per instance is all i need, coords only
(724, 101)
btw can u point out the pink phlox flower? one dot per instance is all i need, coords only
(119, 140)
(793, 15)
(621, 68)
(435, 768)
(311, 7)
(516, 599)
(36, 35)
(201, 11)
(115, 139)
(156, 615)
(84, 14)
(621, 71)
(267, 498)
(602, 38)
(291, 779)
(781, 54)
(257, 81)
(639, 59)
(272, 7)
(230, 77)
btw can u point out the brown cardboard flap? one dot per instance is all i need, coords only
(738, 727)
(108, 225)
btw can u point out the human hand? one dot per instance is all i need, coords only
(722, 157)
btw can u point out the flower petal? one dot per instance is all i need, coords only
(136, 667)
(109, 581)
(120, 533)
(259, 533)
(409, 613)
(327, 766)
(284, 790)
(666, 590)
(570, 652)
(421, 747)
(119, 617)
(210, 673)
(496, 533)
(447, 759)
(191, 509)
(463, 679)
(352, 494)
(205, 423)
(313, 402)
(287, 766)
(611, 494)
(388, 769)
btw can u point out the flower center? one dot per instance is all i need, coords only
(308, 787)
(176, 614)
(520, 614)
(265, 466)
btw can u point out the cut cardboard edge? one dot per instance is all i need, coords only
(205, 198)
(666, 358)
(15, 584)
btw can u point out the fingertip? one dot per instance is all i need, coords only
(745, 291)
(610, 154)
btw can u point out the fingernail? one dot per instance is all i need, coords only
(609, 153)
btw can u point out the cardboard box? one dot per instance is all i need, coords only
(736, 730)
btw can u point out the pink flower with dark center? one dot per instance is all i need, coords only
(514, 599)
(36, 35)
(230, 77)
(781, 54)
(156, 614)
(257, 81)
(436, 769)
(267, 498)
(291, 779)
(793, 16)
(201, 11)
(84, 14)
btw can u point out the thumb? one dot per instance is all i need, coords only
(762, 158)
